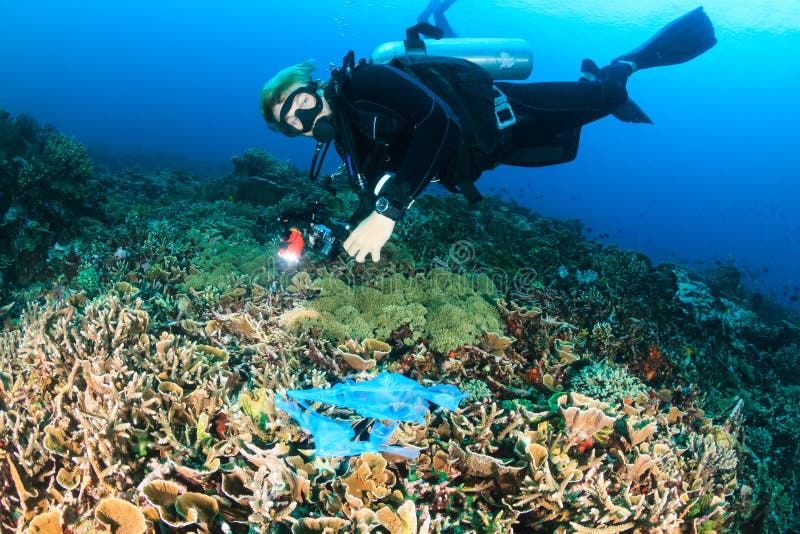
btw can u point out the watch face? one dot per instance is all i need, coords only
(381, 205)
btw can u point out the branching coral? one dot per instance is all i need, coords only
(609, 383)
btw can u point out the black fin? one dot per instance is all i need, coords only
(679, 41)
(590, 70)
(631, 112)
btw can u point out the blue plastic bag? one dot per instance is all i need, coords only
(334, 438)
(388, 396)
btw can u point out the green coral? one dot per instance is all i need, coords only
(88, 278)
(628, 266)
(257, 405)
(446, 309)
(47, 195)
(511, 405)
(607, 383)
(475, 390)
(759, 439)
(13, 138)
(225, 264)
(64, 164)
(257, 162)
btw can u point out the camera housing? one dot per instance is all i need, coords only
(324, 235)
(323, 240)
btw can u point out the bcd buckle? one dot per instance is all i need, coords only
(502, 110)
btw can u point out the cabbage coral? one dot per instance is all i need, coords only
(446, 309)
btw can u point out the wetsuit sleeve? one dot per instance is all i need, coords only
(434, 129)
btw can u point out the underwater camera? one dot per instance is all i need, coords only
(324, 236)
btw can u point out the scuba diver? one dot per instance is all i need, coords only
(438, 8)
(421, 119)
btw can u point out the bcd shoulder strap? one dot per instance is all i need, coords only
(464, 86)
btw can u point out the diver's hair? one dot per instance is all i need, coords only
(275, 88)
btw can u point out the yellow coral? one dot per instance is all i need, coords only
(369, 478)
(401, 521)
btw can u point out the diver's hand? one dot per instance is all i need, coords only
(369, 237)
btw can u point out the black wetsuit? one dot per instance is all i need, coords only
(400, 126)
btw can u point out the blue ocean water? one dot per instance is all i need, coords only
(714, 181)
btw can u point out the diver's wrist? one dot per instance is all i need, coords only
(385, 207)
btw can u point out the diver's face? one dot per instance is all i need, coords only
(298, 116)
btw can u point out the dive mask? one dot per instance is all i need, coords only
(305, 116)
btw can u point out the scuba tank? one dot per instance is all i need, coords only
(504, 59)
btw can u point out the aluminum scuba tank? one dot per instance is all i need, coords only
(504, 59)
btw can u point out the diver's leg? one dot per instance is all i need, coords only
(552, 107)
(433, 5)
(630, 110)
(440, 21)
(550, 116)
(560, 148)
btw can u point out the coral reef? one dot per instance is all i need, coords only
(48, 195)
(128, 413)
(139, 375)
(607, 383)
(261, 178)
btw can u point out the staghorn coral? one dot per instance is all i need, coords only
(89, 356)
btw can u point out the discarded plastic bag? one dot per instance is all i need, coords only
(388, 396)
(334, 438)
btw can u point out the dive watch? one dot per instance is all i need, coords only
(385, 208)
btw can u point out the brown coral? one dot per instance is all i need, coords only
(369, 479)
(583, 424)
(196, 507)
(147, 402)
(403, 520)
(46, 523)
(121, 516)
